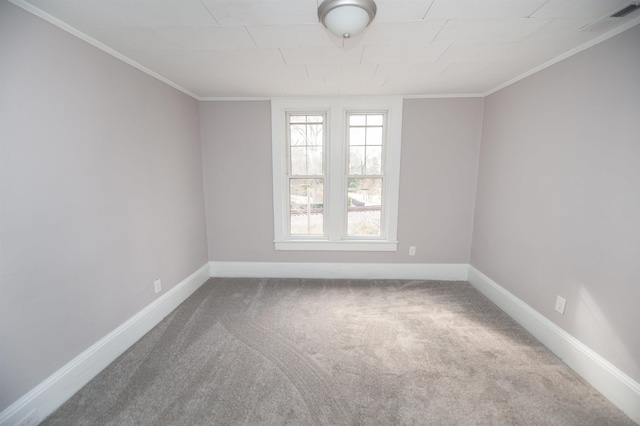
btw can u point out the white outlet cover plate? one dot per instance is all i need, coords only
(560, 304)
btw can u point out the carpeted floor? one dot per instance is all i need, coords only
(337, 352)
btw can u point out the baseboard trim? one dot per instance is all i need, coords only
(45, 398)
(410, 271)
(615, 385)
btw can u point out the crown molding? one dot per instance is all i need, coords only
(562, 57)
(92, 41)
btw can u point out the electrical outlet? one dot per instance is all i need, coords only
(560, 304)
(30, 419)
(412, 251)
(157, 285)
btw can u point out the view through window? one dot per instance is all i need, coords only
(306, 171)
(365, 178)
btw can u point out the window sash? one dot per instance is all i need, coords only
(364, 205)
(313, 121)
(306, 208)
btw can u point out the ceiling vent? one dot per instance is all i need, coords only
(626, 10)
(615, 18)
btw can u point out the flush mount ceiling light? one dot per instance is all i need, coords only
(346, 18)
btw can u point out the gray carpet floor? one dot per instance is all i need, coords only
(337, 352)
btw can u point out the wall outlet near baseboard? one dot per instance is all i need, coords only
(412, 251)
(157, 286)
(560, 304)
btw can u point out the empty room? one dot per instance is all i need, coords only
(319, 212)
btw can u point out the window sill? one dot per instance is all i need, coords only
(369, 245)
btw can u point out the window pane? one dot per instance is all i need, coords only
(356, 160)
(306, 206)
(374, 135)
(314, 160)
(374, 160)
(298, 160)
(375, 119)
(298, 134)
(314, 134)
(356, 136)
(297, 119)
(364, 206)
(357, 120)
(315, 118)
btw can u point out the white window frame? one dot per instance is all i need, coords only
(336, 153)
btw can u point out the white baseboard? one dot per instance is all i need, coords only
(616, 386)
(400, 271)
(45, 398)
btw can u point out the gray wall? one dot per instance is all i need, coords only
(101, 192)
(440, 146)
(558, 202)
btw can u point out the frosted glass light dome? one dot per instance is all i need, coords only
(346, 18)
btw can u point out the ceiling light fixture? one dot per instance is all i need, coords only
(346, 18)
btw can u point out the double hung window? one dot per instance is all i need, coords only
(336, 173)
(306, 149)
(365, 178)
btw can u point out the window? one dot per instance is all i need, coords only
(365, 178)
(306, 173)
(336, 167)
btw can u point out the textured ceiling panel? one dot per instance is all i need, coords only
(262, 48)
(503, 30)
(270, 12)
(489, 9)
(591, 9)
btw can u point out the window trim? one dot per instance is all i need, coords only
(336, 171)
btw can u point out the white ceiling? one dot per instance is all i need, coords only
(265, 48)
